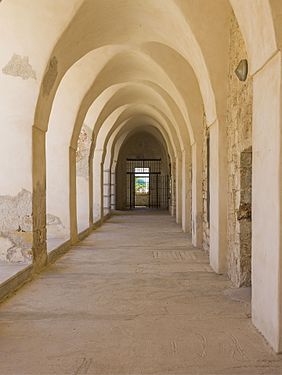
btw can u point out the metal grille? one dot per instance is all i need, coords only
(130, 200)
(158, 194)
(154, 165)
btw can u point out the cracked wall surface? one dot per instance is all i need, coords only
(82, 152)
(19, 66)
(16, 227)
(239, 135)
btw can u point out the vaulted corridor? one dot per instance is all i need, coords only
(133, 298)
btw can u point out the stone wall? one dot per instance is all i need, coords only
(189, 181)
(206, 226)
(239, 135)
(172, 202)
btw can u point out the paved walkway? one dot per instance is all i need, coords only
(133, 298)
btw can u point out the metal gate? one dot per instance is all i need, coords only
(157, 193)
(130, 199)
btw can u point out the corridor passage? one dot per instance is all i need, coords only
(133, 298)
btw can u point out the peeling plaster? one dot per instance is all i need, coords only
(50, 76)
(16, 227)
(19, 67)
(55, 227)
(82, 152)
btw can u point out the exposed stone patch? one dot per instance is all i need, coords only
(173, 183)
(56, 229)
(50, 76)
(205, 190)
(15, 212)
(239, 136)
(244, 212)
(15, 249)
(82, 152)
(53, 220)
(189, 181)
(16, 227)
(19, 66)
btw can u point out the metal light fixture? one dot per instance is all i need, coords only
(242, 70)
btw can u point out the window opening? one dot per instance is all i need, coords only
(142, 186)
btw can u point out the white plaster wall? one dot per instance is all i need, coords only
(57, 156)
(16, 115)
(217, 248)
(178, 195)
(82, 193)
(97, 185)
(255, 20)
(25, 31)
(109, 170)
(60, 131)
(15, 138)
(32, 27)
(197, 203)
(266, 221)
(186, 188)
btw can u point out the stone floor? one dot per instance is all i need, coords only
(8, 270)
(133, 298)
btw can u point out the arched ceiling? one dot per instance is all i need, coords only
(138, 94)
(137, 114)
(92, 57)
(126, 134)
(126, 66)
(118, 137)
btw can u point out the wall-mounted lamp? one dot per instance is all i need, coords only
(242, 70)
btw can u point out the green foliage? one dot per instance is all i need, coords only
(141, 185)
